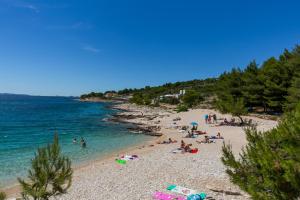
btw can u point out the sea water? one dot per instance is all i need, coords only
(27, 123)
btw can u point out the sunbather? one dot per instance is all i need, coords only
(168, 142)
(200, 132)
(206, 140)
(225, 122)
(187, 148)
(182, 144)
(172, 141)
(190, 134)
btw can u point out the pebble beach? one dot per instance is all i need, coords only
(157, 167)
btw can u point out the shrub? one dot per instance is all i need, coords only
(269, 166)
(2, 196)
(191, 98)
(182, 108)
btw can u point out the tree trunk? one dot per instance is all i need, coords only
(242, 121)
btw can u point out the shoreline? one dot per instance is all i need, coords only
(102, 173)
(13, 190)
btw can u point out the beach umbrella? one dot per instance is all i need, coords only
(194, 123)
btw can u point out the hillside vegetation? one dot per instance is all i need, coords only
(273, 86)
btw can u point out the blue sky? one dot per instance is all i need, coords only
(73, 47)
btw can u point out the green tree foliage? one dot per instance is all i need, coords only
(50, 174)
(230, 84)
(181, 108)
(170, 100)
(234, 106)
(92, 95)
(2, 196)
(253, 86)
(137, 98)
(269, 166)
(191, 98)
(275, 76)
(293, 93)
(270, 86)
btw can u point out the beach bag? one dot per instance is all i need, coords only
(200, 196)
(194, 150)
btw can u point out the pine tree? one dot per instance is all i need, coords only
(276, 77)
(50, 174)
(269, 166)
(230, 84)
(294, 93)
(253, 87)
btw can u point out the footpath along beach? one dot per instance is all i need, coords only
(157, 167)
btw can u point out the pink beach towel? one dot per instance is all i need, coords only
(164, 196)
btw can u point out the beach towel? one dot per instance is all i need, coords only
(181, 190)
(194, 150)
(178, 150)
(122, 162)
(191, 194)
(129, 157)
(165, 196)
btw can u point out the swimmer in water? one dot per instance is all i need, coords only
(83, 143)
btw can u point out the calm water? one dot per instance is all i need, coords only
(27, 123)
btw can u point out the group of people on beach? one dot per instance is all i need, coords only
(82, 142)
(210, 118)
(210, 139)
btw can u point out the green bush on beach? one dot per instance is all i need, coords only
(182, 108)
(191, 98)
(269, 166)
(50, 174)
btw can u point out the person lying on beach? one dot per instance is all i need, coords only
(200, 132)
(168, 142)
(224, 123)
(206, 140)
(217, 137)
(172, 141)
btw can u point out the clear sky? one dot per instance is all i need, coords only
(72, 47)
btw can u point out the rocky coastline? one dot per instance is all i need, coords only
(144, 120)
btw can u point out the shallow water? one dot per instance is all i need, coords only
(27, 123)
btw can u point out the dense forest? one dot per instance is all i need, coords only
(273, 86)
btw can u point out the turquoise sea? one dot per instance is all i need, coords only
(28, 122)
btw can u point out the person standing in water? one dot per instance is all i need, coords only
(82, 143)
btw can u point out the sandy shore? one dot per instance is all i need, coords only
(157, 167)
